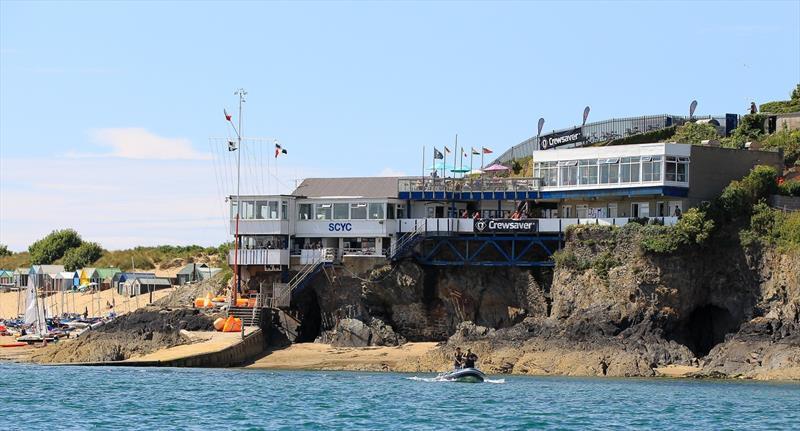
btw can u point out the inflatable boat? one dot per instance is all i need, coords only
(465, 375)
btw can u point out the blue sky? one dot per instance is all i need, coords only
(106, 107)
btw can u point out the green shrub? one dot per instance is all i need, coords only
(788, 141)
(660, 135)
(4, 251)
(694, 133)
(52, 247)
(750, 128)
(694, 227)
(603, 263)
(772, 227)
(783, 106)
(790, 188)
(659, 239)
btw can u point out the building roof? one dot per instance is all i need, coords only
(189, 268)
(6, 273)
(154, 281)
(363, 187)
(48, 269)
(105, 273)
(66, 275)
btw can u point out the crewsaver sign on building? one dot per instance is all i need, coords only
(558, 139)
(505, 226)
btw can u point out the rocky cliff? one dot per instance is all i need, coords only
(608, 308)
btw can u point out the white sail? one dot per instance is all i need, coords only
(34, 314)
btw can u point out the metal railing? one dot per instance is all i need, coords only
(477, 185)
(606, 130)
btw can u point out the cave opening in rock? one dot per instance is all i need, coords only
(309, 315)
(705, 327)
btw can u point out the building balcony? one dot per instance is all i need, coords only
(260, 257)
(260, 227)
(437, 226)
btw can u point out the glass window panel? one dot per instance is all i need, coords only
(390, 211)
(233, 208)
(340, 211)
(273, 210)
(248, 210)
(376, 211)
(262, 212)
(401, 211)
(305, 212)
(358, 211)
(322, 211)
(284, 211)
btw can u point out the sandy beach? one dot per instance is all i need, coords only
(12, 303)
(313, 356)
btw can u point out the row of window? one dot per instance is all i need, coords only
(612, 170)
(261, 210)
(350, 211)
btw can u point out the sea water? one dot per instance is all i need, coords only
(54, 398)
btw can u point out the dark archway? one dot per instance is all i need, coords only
(309, 315)
(705, 327)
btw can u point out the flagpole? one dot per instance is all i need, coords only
(422, 177)
(237, 279)
(455, 154)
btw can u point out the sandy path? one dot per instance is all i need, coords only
(313, 356)
(11, 303)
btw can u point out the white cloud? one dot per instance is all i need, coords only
(391, 172)
(138, 143)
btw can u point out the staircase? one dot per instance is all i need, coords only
(407, 242)
(282, 293)
(250, 316)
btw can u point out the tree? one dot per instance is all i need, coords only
(4, 251)
(81, 256)
(52, 247)
(694, 133)
(788, 141)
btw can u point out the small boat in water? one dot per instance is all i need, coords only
(464, 375)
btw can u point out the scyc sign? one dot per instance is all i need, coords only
(340, 227)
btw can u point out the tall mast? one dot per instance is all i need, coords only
(238, 282)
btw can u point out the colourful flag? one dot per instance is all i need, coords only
(475, 152)
(463, 153)
(486, 150)
(279, 150)
(437, 154)
(447, 150)
(227, 115)
(231, 146)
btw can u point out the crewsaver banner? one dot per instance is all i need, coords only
(558, 139)
(494, 225)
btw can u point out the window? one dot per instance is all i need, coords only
(581, 210)
(262, 210)
(587, 171)
(548, 172)
(358, 211)
(401, 211)
(322, 211)
(629, 170)
(305, 212)
(376, 211)
(569, 172)
(248, 210)
(273, 210)
(566, 211)
(233, 208)
(284, 210)
(340, 211)
(612, 209)
(609, 171)
(651, 168)
(676, 168)
(390, 211)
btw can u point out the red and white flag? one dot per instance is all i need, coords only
(279, 150)
(486, 150)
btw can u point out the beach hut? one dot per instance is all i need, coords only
(44, 276)
(122, 279)
(148, 284)
(21, 277)
(106, 276)
(6, 278)
(195, 272)
(88, 276)
(63, 281)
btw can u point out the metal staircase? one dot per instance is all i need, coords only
(282, 293)
(407, 241)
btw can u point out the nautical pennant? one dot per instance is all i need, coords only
(486, 150)
(279, 150)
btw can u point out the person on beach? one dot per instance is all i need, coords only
(458, 360)
(469, 359)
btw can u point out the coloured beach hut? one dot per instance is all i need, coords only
(143, 285)
(121, 281)
(196, 272)
(6, 278)
(44, 276)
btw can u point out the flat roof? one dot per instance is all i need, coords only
(632, 150)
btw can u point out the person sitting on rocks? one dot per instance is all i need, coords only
(469, 359)
(458, 360)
